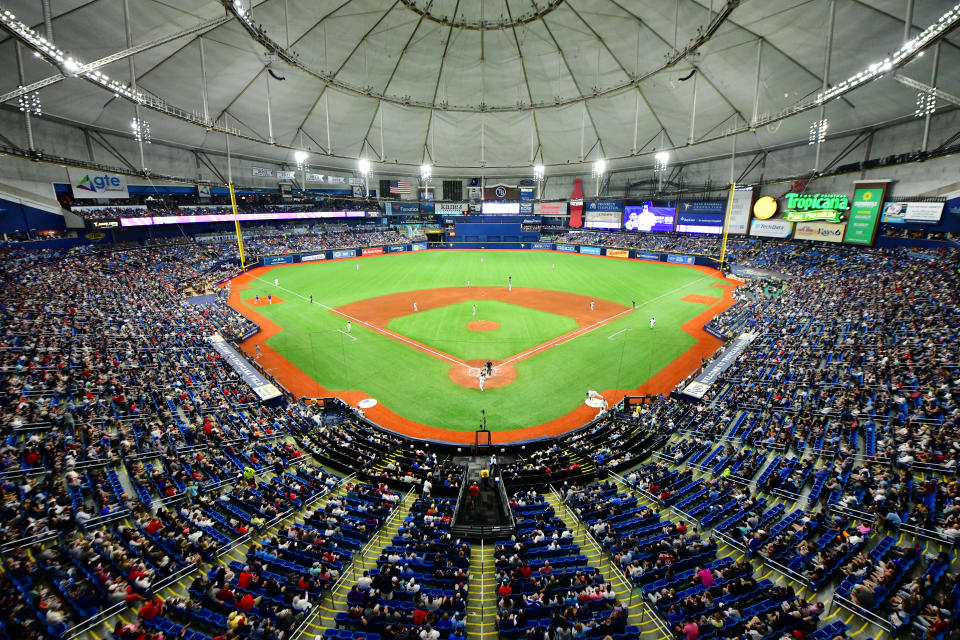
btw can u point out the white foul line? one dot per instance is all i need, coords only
(346, 334)
(613, 335)
(386, 332)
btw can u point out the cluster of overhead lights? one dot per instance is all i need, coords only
(426, 172)
(30, 103)
(301, 158)
(599, 168)
(928, 35)
(238, 5)
(141, 130)
(926, 103)
(68, 64)
(538, 172)
(818, 131)
(363, 166)
(661, 161)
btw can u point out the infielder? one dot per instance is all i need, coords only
(592, 305)
(276, 282)
(349, 326)
(415, 305)
(474, 311)
(258, 352)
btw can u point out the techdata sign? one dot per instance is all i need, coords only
(344, 253)
(807, 207)
(777, 228)
(88, 185)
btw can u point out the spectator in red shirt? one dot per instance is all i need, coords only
(151, 609)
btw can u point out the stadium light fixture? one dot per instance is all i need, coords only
(426, 171)
(300, 157)
(663, 159)
(141, 130)
(599, 167)
(363, 166)
(538, 173)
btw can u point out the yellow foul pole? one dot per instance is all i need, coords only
(726, 226)
(236, 223)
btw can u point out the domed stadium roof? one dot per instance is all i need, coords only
(482, 83)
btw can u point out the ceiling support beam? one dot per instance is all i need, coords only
(828, 53)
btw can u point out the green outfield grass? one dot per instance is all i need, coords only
(446, 329)
(620, 355)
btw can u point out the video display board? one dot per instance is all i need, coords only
(650, 216)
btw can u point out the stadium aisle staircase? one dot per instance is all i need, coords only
(336, 600)
(482, 602)
(586, 464)
(600, 559)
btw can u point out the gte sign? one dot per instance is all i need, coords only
(87, 184)
(802, 207)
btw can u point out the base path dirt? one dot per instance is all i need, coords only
(301, 385)
(469, 375)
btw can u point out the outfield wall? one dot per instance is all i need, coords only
(610, 252)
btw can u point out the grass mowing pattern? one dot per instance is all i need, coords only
(620, 355)
(446, 329)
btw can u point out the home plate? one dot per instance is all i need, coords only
(366, 403)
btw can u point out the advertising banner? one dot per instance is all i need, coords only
(618, 253)
(593, 251)
(501, 192)
(541, 246)
(526, 208)
(526, 194)
(105, 224)
(921, 212)
(418, 246)
(739, 213)
(344, 253)
(261, 172)
(450, 208)
(865, 212)
(397, 249)
(603, 214)
(286, 175)
(550, 208)
(260, 385)
(566, 247)
(709, 376)
(274, 260)
(500, 208)
(313, 257)
(650, 216)
(648, 256)
(680, 259)
(87, 185)
(243, 217)
(777, 228)
(372, 251)
(576, 204)
(822, 231)
(403, 209)
(701, 216)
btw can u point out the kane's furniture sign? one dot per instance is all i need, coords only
(88, 185)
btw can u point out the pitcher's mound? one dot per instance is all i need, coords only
(503, 374)
(483, 325)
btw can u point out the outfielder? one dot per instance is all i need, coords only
(653, 321)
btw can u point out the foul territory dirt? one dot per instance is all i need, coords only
(301, 385)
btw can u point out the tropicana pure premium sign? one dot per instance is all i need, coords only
(803, 207)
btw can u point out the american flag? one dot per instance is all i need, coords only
(399, 187)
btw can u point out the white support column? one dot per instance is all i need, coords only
(326, 115)
(908, 22)
(756, 83)
(828, 53)
(693, 110)
(133, 79)
(203, 82)
(269, 111)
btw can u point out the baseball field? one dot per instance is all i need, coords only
(413, 331)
